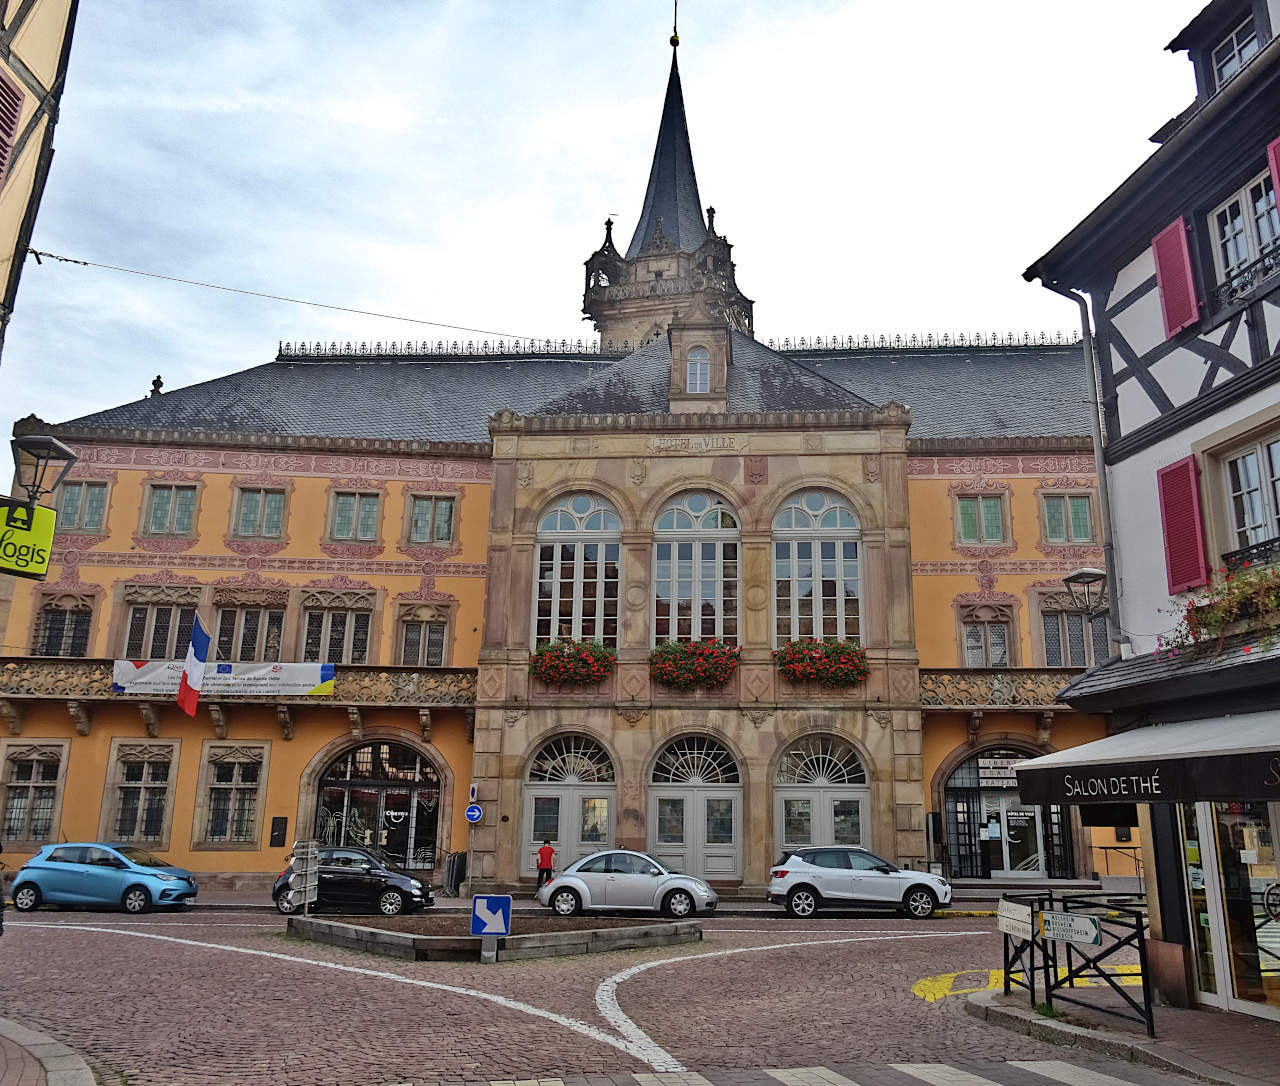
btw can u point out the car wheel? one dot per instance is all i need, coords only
(919, 903)
(27, 897)
(802, 902)
(391, 903)
(136, 899)
(566, 903)
(285, 904)
(679, 904)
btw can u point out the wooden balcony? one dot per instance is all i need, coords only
(994, 688)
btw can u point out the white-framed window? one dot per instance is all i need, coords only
(249, 633)
(82, 507)
(579, 551)
(1073, 639)
(1068, 518)
(139, 796)
(1245, 228)
(171, 510)
(1234, 52)
(1253, 490)
(259, 513)
(62, 628)
(698, 373)
(986, 642)
(695, 570)
(353, 517)
(424, 636)
(336, 636)
(158, 631)
(816, 568)
(430, 519)
(233, 777)
(31, 781)
(980, 518)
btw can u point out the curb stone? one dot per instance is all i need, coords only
(62, 1066)
(984, 1005)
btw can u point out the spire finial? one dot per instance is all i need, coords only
(675, 21)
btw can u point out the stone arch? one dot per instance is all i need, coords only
(529, 515)
(309, 780)
(864, 756)
(767, 505)
(995, 740)
(557, 731)
(730, 495)
(661, 743)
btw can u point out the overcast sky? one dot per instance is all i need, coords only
(879, 167)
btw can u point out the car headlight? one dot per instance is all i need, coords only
(415, 884)
(701, 887)
(168, 878)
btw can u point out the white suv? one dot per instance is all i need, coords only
(806, 879)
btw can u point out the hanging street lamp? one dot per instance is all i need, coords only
(26, 534)
(1088, 589)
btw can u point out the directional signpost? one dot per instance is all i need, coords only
(1014, 919)
(1071, 928)
(490, 918)
(304, 880)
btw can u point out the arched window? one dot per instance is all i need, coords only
(699, 372)
(569, 799)
(815, 568)
(695, 759)
(821, 759)
(571, 759)
(579, 543)
(695, 570)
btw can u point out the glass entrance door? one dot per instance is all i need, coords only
(1012, 836)
(1234, 892)
(826, 816)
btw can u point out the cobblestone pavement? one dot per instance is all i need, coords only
(18, 1067)
(182, 999)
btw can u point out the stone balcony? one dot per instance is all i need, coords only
(970, 689)
(82, 683)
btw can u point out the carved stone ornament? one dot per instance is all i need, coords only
(355, 721)
(164, 544)
(144, 752)
(758, 717)
(284, 717)
(871, 468)
(632, 714)
(218, 714)
(638, 471)
(882, 717)
(357, 551)
(512, 717)
(992, 687)
(236, 754)
(524, 473)
(161, 593)
(257, 548)
(79, 713)
(33, 752)
(150, 717)
(756, 470)
(11, 714)
(974, 726)
(813, 442)
(424, 723)
(1044, 729)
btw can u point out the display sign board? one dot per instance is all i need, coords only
(1071, 928)
(226, 680)
(25, 546)
(1229, 778)
(1014, 919)
(997, 772)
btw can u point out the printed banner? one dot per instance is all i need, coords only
(239, 680)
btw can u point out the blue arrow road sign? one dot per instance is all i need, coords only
(491, 914)
(474, 813)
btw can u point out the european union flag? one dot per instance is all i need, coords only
(224, 669)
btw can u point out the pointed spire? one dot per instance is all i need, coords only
(672, 196)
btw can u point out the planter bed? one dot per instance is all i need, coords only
(449, 938)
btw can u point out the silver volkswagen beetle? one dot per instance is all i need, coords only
(627, 881)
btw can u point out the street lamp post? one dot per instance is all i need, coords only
(41, 462)
(1088, 590)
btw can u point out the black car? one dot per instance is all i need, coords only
(355, 878)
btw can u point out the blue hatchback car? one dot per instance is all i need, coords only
(97, 874)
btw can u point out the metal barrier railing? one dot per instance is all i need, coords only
(1091, 932)
(1132, 853)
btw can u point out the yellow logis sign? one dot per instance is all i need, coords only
(25, 547)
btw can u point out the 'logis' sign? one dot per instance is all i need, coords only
(25, 549)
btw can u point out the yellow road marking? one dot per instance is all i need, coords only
(967, 981)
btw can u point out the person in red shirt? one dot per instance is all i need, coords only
(546, 863)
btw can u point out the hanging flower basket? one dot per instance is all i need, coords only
(572, 663)
(686, 665)
(827, 663)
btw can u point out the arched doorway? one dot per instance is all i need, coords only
(569, 801)
(991, 832)
(821, 795)
(695, 808)
(384, 796)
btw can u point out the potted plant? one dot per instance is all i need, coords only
(688, 665)
(827, 663)
(1243, 600)
(572, 663)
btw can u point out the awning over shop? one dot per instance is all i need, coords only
(1224, 758)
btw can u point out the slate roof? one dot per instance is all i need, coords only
(672, 195)
(969, 392)
(388, 398)
(953, 392)
(759, 379)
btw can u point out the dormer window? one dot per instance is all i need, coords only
(1234, 52)
(699, 373)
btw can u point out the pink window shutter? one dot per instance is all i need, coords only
(1177, 285)
(1273, 163)
(1185, 558)
(11, 99)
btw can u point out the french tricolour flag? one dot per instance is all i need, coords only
(193, 669)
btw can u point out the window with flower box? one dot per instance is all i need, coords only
(695, 567)
(576, 588)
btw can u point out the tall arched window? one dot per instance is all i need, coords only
(579, 543)
(815, 568)
(695, 570)
(699, 371)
